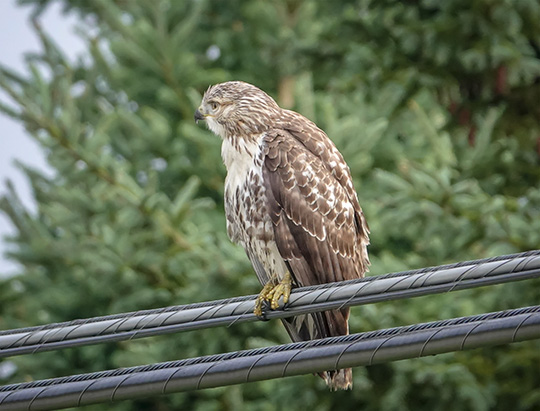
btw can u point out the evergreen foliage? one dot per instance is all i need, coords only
(434, 105)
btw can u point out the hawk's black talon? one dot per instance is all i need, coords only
(264, 311)
(263, 317)
(286, 306)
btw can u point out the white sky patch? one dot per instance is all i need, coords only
(15, 144)
(213, 52)
(7, 369)
(158, 164)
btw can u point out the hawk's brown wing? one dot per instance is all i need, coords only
(319, 227)
(318, 224)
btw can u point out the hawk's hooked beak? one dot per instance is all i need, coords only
(198, 116)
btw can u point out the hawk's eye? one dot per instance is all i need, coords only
(214, 105)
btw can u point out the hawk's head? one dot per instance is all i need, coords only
(237, 109)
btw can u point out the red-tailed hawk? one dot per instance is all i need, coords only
(290, 202)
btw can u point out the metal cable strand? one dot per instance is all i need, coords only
(276, 362)
(250, 297)
(387, 287)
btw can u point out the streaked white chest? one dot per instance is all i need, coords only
(240, 160)
(248, 220)
(244, 190)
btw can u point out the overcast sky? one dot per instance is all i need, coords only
(16, 38)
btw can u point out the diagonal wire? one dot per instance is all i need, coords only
(276, 362)
(407, 284)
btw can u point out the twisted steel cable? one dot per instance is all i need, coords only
(387, 287)
(276, 362)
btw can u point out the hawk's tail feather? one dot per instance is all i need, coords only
(338, 379)
(320, 325)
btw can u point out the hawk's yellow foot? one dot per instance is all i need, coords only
(264, 295)
(272, 293)
(283, 289)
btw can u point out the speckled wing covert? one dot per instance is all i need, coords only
(319, 226)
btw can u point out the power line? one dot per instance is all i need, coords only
(276, 362)
(387, 287)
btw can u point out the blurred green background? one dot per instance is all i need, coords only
(434, 105)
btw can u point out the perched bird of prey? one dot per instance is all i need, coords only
(290, 202)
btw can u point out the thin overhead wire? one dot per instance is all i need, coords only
(387, 287)
(276, 362)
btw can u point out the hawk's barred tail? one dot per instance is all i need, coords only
(320, 325)
(338, 380)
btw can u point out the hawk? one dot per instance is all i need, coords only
(290, 203)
